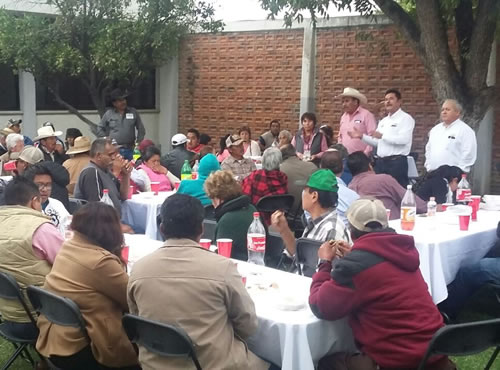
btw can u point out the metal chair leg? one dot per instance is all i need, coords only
(14, 356)
(492, 358)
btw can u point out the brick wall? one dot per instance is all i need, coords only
(233, 79)
(495, 170)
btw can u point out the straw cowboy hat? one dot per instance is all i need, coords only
(81, 145)
(6, 131)
(45, 132)
(353, 93)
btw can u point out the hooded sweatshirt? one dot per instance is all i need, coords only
(380, 288)
(208, 164)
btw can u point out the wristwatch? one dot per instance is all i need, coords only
(321, 261)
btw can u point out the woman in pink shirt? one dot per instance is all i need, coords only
(154, 170)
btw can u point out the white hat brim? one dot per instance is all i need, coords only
(54, 134)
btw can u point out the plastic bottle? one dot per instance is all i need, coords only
(256, 241)
(463, 189)
(431, 207)
(106, 199)
(186, 173)
(65, 228)
(194, 173)
(137, 154)
(408, 210)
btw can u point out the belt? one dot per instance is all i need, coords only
(392, 157)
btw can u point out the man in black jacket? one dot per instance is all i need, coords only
(48, 143)
(174, 159)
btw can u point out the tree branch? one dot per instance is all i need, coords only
(73, 110)
(464, 22)
(405, 23)
(483, 34)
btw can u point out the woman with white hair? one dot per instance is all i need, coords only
(267, 181)
(14, 144)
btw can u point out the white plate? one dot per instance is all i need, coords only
(290, 303)
(489, 207)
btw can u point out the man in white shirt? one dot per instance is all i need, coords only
(393, 139)
(451, 141)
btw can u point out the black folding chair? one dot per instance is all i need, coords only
(271, 203)
(306, 255)
(209, 229)
(209, 212)
(10, 290)
(161, 339)
(274, 249)
(75, 204)
(464, 340)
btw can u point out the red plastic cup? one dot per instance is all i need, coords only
(224, 247)
(388, 211)
(474, 201)
(155, 186)
(176, 185)
(205, 243)
(244, 280)
(446, 205)
(10, 166)
(130, 192)
(124, 253)
(464, 221)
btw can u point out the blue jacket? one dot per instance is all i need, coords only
(208, 164)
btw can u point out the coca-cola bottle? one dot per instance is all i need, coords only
(256, 241)
(106, 199)
(463, 189)
(408, 210)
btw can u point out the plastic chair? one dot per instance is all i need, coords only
(58, 310)
(274, 249)
(10, 290)
(75, 204)
(158, 338)
(209, 229)
(465, 339)
(307, 255)
(271, 203)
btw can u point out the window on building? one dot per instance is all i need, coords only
(9, 93)
(75, 93)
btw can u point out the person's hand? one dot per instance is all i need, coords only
(59, 148)
(126, 168)
(126, 229)
(343, 248)
(161, 169)
(300, 155)
(377, 135)
(355, 133)
(278, 220)
(326, 251)
(332, 249)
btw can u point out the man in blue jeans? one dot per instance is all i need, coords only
(470, 279)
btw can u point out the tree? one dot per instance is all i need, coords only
(104, 43)
(425, 24)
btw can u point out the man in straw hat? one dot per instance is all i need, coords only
(355, 116)
(47, 137)
(79, 159)
(393, 139)
(378, 285)
(120, 123)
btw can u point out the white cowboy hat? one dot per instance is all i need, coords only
(45, 132)
(81, 145)
(353, 93)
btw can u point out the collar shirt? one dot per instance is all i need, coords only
(397, 134)
(326, 227)
(346, 197)
(261, 183)
(454, 145)
(240, 168)
(365, 122)
(122, 127)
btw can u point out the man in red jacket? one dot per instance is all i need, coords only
(378, 285)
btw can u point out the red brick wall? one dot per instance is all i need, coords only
(495, 168)
(233, 79)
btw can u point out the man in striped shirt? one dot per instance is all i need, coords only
(319, 198)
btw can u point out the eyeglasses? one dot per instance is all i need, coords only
(44, 186)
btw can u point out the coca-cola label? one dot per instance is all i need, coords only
(194, 175)
(256, 242)
(408, 214)
(463, 193)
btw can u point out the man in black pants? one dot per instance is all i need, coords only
(393, 139)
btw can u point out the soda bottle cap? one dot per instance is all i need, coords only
(105, 191)
(432, 198)
(408, 187)
(256, 215)
(464, 175)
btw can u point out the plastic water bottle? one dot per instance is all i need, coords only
(256, 241)
(408, 210)
(194, 173)
(106, 199)
(137, 154)
(186, 173)
(65, 228)
(463, 189)
(431, 207)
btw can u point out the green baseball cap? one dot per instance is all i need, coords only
(323, 179)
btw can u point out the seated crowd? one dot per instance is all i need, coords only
(366, 271)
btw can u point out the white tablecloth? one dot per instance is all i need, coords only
(443, 248)
(294, 339)
(141, 212)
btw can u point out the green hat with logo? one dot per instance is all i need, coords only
(323, 179)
